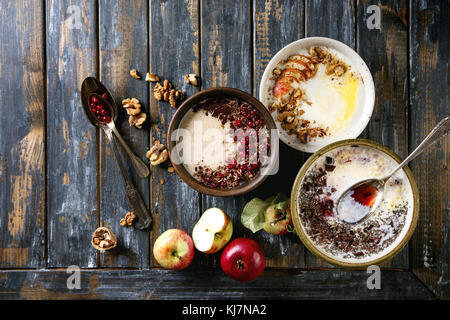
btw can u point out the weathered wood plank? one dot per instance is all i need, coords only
(208, 285)
(332, 19)
(124, 46)
(22, 135)
(276, 24)
(71, 173)
(385, 52)
(226, 60)
(429, 63)
(174, 43)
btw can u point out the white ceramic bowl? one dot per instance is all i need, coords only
(365, 108)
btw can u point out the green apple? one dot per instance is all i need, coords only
(212, 231)
(277, 222)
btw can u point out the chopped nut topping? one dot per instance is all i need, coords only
(103, 239)
(157, 154)
(191, 79)
(134, 74)
(151, 77)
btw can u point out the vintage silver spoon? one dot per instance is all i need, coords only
(371, 186)
(134, 199)
(92, 87)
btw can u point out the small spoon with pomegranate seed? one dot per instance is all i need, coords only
(101, 111)
(359, 202)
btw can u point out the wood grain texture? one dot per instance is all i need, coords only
(174, 52)
(71, 151)
(276, 24)
(429, 65)
(22, 135)
(124, 46)
(385, 52)
(336, 20)
(226, 61)
(208, 285)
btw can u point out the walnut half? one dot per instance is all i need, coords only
(103, 239)
(128, 219)
(157, 154)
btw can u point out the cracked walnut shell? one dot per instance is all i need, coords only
(103, 239)
(157, 154)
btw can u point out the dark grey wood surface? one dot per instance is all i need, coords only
(59, 179)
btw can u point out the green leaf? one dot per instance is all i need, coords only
(253, 214)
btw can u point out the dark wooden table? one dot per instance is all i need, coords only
(59, 180)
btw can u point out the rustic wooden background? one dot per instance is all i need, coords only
(59, 181)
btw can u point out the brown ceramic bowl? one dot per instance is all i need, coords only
(193, 101)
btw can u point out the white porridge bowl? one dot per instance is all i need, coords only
(363, 107)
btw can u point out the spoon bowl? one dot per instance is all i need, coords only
(352, 208)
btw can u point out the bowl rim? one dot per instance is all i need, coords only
(296, 218)
(362, 67)
(186, 176)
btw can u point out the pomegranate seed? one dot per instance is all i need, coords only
(104, 96)
(251, 124)
(99, 117)
(237, 123)
(94, 99)
(100, 107)
(224, 184)
(106, 119)
(104, 112)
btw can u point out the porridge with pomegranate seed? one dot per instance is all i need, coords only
(327, 178)
(224, 142)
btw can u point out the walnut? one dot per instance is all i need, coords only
(191, 79)
(137, 120)
(158, 92)
(276, 72)
(103, 239)
(166, 95)
(170, 169)
(151, 77)
(128, 219)
(157, 154)
(179, 95)
(167, 85)
(123, 222)
(132, 106)
(172, 100)
(337, 69)
(134, 74)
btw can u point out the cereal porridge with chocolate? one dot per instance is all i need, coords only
(327, 178)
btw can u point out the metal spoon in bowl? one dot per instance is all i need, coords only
(134, 199)
(92, 87)
(368, 193)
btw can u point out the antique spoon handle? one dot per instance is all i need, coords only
(134, 198)
(139, 165)
(440, 130)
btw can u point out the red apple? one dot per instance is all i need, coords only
(243, 260)
(174, 249)
(278, 222)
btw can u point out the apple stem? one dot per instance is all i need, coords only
(240, 264)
